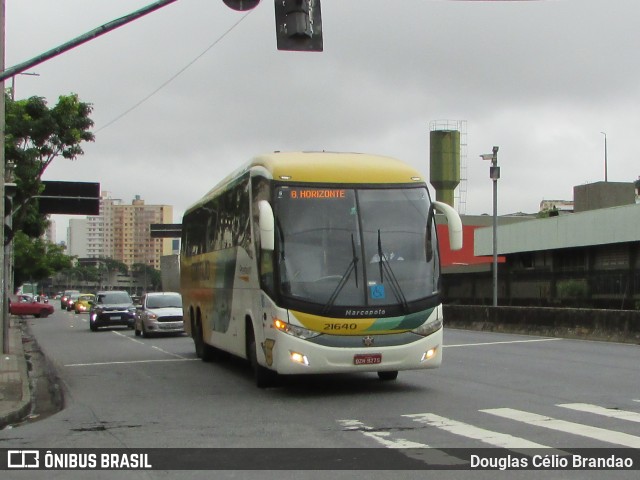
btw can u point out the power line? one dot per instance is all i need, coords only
(176, 75)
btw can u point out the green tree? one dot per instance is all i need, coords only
(36, 259)
(34, 136)
(146, 276)
(113, 265)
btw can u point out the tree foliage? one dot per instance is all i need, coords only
(36, 259)
(34, 136)
(147, 276)
(112, 265)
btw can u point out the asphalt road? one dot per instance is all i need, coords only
(493, 390)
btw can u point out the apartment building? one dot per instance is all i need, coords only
(77, 238)
(128, 233)
(122, 232)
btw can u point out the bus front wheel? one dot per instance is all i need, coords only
(263, 377)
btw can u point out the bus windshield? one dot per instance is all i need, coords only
(349, 247)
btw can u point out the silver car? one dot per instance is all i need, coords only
(159, 312)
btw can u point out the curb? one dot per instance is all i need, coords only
(16, 404)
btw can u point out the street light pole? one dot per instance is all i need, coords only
(494, 174)
(13, 83)
(4, 311)
(605, 156)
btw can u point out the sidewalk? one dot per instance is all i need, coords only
(15, 394)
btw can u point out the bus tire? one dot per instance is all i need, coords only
(388, 375)
(263, 377)
(205, 352)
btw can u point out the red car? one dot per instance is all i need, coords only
(26, 305)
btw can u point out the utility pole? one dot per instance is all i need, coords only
(15, 70)
(606, 176)
(494, 174)
(95, 33)
(4, 310)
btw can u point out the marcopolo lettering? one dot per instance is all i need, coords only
(364, 313)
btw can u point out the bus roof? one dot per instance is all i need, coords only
(324, 167)
(332, 167)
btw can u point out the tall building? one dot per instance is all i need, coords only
(77, 238)
(121, 232)
(130, 233)
(50, 234)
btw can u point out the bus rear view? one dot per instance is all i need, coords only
(347, 269)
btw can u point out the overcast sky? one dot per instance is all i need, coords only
(539, 79)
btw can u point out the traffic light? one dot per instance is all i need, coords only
(299, 25)
(241, 5)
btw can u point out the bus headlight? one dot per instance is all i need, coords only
(299, 358)
(429, 327)
(429, 354)
(294, 330)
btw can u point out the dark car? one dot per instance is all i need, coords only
(27, 305)
(111, 308)
(65, 297)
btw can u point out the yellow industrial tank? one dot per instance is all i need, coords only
(444, 170)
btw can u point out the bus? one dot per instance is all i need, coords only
(316, 262)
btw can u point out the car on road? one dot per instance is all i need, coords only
(83, 303)
(111, 308)
(28, 305)
(71, 301)
(65, 297)
(159, 312)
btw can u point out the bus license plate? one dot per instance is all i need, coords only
(367, 359)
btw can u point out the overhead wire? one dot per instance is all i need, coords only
(174, 76)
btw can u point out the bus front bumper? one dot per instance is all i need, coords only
(290, 355)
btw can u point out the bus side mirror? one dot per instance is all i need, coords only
(267, 222)
(454, 223)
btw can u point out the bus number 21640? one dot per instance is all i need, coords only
(340, 326)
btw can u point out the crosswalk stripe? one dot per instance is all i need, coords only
(383, 438)
(600, 434)
(487, 436)
(607, 412)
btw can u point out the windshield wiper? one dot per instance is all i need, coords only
(393, 281)
(281, 238)
(343, 281)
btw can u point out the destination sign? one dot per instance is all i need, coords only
(313, 193)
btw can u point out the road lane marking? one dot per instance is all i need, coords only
(496, 439)
(133, 339)
(503, 343)
(168, 353)
(607, 412)
(127, 337)
(588, 431)
(130, 362)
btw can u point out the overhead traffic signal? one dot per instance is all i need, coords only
(299, 25)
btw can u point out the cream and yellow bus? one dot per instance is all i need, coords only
(321, 262)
